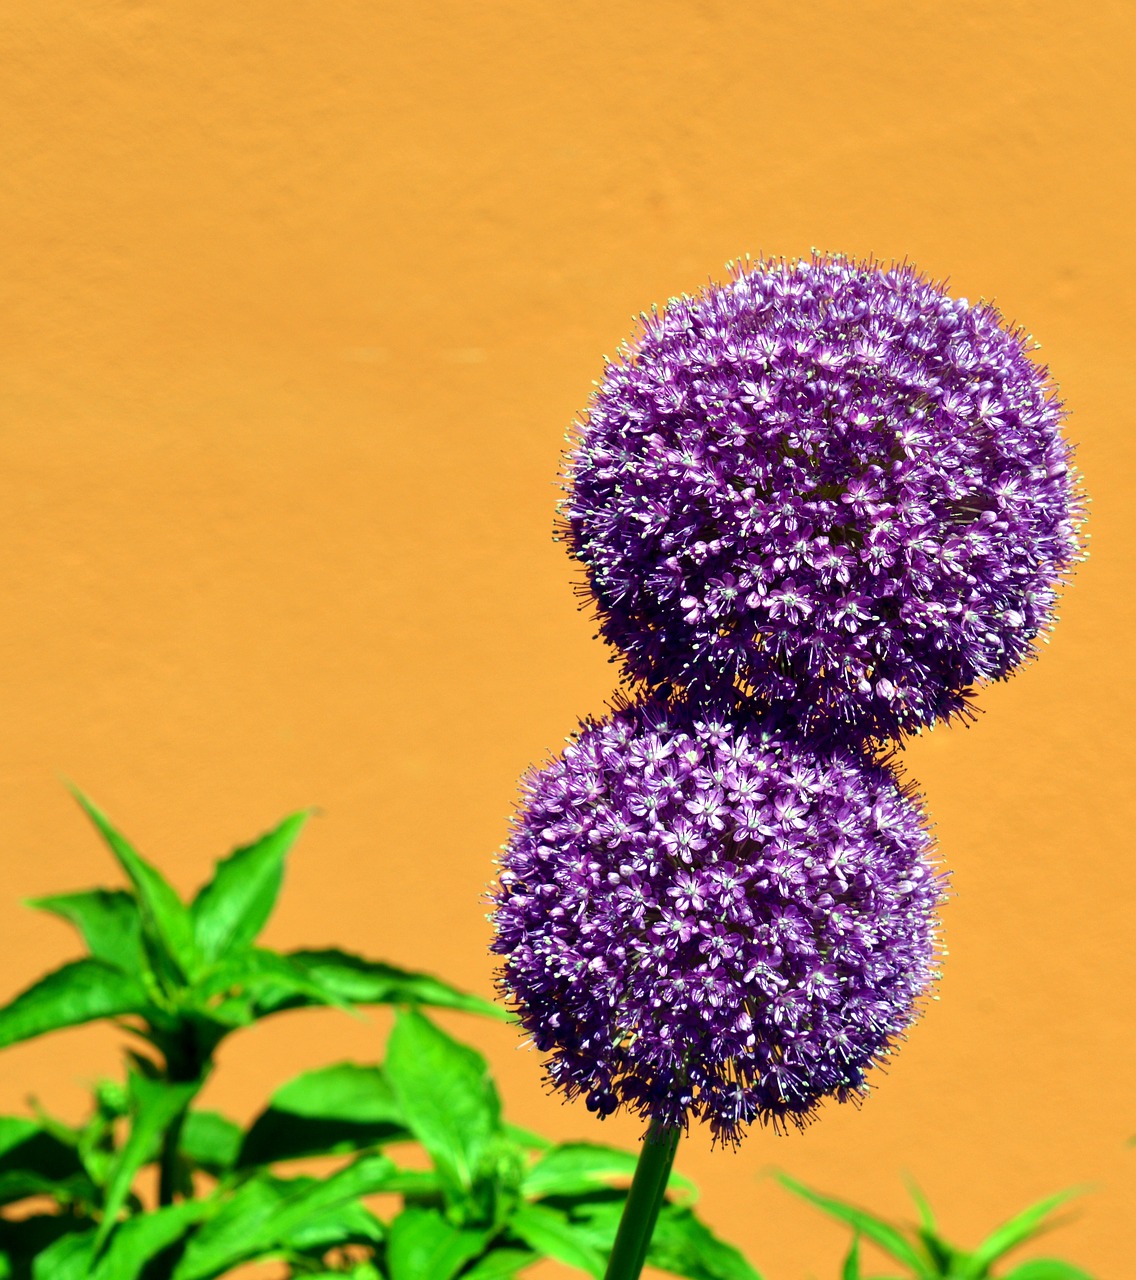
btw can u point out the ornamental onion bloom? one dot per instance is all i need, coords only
(704, 919)
(829, 484)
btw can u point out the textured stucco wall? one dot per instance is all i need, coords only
(298, 300)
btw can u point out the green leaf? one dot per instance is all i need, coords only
(154, 1106)
(71, 1257)
(1047, 1269)
(922, 1205)
(688, 1247)
(1020, 1228)
(18, 1184)
(594, 1217)
(501, 1264)
(851, 1267)
(359, 981)
(340, 1225)
(78, 992)
(447, 1096)
(881, 1233)
(210, 1141)
(107, 921)
(166, 922)
(414, 1185)
(424, 1246)
(681, 1243)
(552, 1235)
(234, 906)
(140, 1239)
(96, 1140)
(526, 1138)
(134, 1244)
(345, 1107)
(945, 1258)
(258, 970)
(29, 1150)
(582, 1167)
(265, 1212)
(22, 1239)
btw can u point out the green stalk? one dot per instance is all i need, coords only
(184, 1063)
(644, 1201)
(169, 1161)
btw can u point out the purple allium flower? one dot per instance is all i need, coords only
(704, 919)
(830, 484)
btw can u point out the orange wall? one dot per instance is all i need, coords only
(298, 301)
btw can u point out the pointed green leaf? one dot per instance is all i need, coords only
(552, 1235)
(154, 1106)
(447, 1096)
(78, 992)
(681, 1242)
(71, 1257)
(501, 1264)
(266, 1212)
(688, 1247)
(28, 1145)
(343, 1091)
(882, 1233)
(583, 1166)
(18, 1184)
(37, 1161)
(1047, 1269)
(851, 1267)
(242, 1228)
(22, 1239)
(234, 906)
(414, 1184)
(594, 1216)
(359, 981)
(210, 1141)
(166, 922)
(945, 1258)
(139, 1240)
(922, 1205)
(345, 1107)
(344, 1224)
(1020, 1228)
(258, 970)
(527, 1138)
(424, 1246)
(107, 921)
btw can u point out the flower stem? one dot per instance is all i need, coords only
(644, 1201)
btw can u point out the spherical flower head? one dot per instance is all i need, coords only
(703, 919)
(830, 484)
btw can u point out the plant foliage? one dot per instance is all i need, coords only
(926, 1255)
(180, 978)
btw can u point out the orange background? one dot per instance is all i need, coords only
(298, 301)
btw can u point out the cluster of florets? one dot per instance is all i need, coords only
(830, 484)
(705, 919)
(816, 505)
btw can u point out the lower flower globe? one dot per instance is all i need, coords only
(701, 918)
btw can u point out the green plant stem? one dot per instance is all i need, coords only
(168, 1164)
(644, 1201)
(184, 1062)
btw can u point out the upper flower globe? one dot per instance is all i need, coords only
(828, 485)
